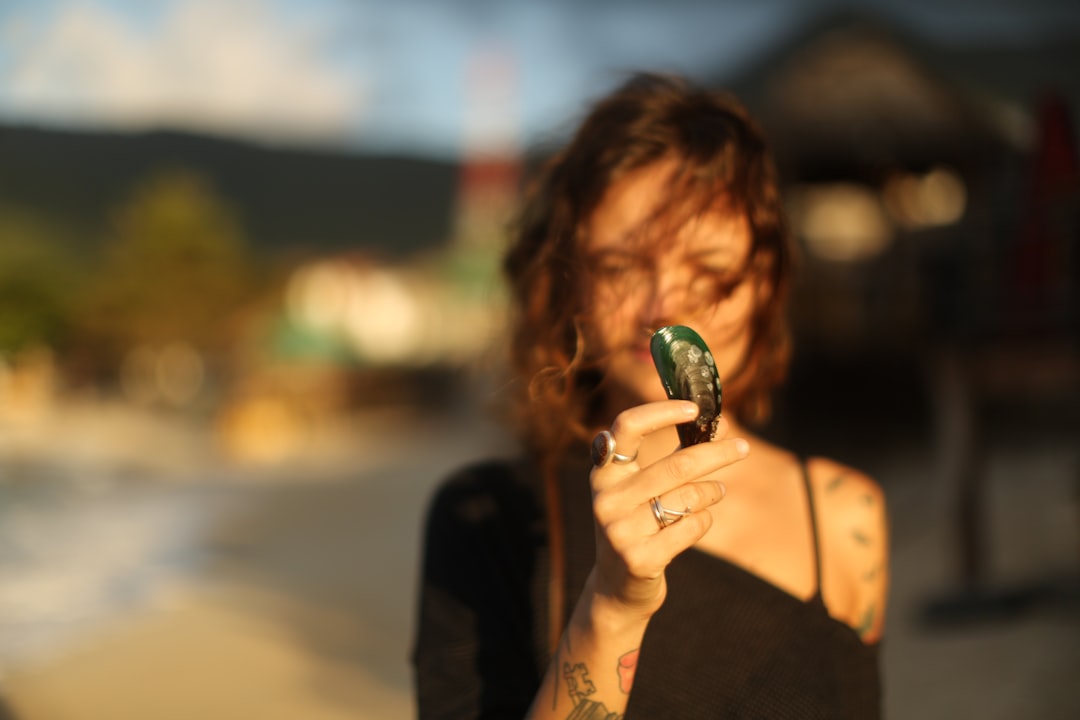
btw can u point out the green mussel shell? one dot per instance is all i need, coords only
(688, 372)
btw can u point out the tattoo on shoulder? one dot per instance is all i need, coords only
(866, 622)
(835, 483)
(871, 575)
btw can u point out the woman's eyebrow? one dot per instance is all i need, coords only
(617, 241)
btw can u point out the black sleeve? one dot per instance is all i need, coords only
(474, 653)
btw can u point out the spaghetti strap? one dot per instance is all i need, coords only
(813, 524)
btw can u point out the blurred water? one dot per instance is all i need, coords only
(111, 516)
(78, 551)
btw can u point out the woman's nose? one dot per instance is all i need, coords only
(666, 299)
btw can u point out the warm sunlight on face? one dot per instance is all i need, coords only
(647, 274)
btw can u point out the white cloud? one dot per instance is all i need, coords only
(224, 67)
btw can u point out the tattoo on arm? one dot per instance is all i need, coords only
(555, 689)
(589, 710)
(860, 537)
(578, 683)
(558, 656)
(580, 688)
(627, 668)
(835, 483)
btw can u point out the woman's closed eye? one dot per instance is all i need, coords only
(715, 285)
(617, 266)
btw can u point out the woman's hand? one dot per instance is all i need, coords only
(597, 657)
(632, 548)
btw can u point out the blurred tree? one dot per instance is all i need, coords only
(39, 281)
(176, 269)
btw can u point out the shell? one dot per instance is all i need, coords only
(688, 372)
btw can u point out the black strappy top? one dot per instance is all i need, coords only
(726, 643)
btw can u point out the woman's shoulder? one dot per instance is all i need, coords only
(854, 535)
(844, 488)
(483, 489)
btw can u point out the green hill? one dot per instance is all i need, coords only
(287, 200)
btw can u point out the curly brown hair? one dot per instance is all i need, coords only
(721, 157)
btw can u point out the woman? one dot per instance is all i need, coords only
(551, 587)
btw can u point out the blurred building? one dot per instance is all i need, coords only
(907, 179)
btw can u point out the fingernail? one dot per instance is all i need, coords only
(690, 409)
(723, 490)
(742, 447)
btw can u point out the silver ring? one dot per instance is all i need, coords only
(664, 516)
(603, 451)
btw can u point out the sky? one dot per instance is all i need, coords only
(414, 76)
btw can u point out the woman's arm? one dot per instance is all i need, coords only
(592, 671)
(593, 667)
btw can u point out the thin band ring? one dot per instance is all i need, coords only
(665, 516)
(603, 451)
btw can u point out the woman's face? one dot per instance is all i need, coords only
(647, 273)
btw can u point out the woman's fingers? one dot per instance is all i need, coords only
(646, 516)
(685, 499)
(635, 423)
(676, 538)
(645, 558)
(688, 465)
(673, 507)
(615, 451)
